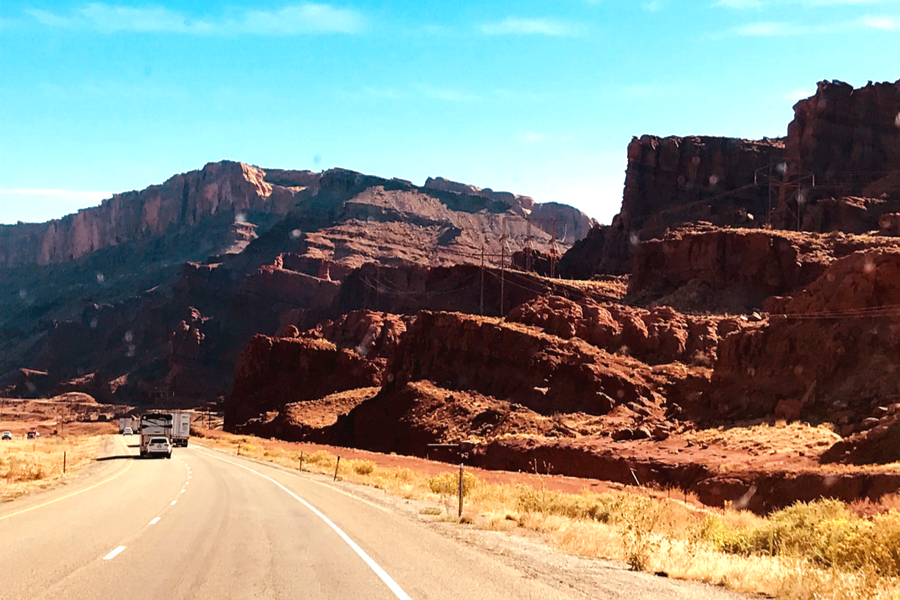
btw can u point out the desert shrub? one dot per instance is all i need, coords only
(363, 467)
(855, 544)
(824, 532)
(320, 458)
(448, 484)
(640, 541)
(603, 508)
(22, 469)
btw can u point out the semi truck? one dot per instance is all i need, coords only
(181, 428)
(174, 426)
(125, 422)
(154, 425)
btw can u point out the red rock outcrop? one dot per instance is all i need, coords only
(520, 364)
(705, 268)
(674, 181)
(832, 354)
(512, 200)
(879, 443)
(370, 334)
(275, 371)
(655, 336)
(848, 139)
(408, 418)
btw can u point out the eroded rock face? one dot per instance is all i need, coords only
(184, 200)
(673, 181)
(569, 224)
(275, 371)
(703, 268)
(511, 200)
(849, 139)
(517, 363)
(655, 336)
(831, 354)
(373, 335)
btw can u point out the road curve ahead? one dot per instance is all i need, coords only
(207, 525)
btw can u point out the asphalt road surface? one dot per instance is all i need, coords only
(206, 524)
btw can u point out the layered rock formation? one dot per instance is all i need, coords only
(272, 369)
(225, 188)
(842, 153)
(672, 181)
(265, 248)
(847, 139)
(830, 354)
(709, 268)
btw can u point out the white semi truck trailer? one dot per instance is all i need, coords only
(174, 426)
(154, 425)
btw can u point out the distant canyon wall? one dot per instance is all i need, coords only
(183, 200)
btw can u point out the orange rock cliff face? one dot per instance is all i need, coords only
(228, 188)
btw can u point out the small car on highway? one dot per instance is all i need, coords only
(159, 446)
(33, 435)
(6, 435)
(127, 431)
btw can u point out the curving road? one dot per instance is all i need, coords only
(210, 525)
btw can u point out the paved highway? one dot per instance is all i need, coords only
(209, 525)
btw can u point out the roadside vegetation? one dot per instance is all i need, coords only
(820, 550)
(29, 464)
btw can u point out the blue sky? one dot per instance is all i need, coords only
(533, 97)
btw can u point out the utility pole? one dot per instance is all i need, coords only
(554, 251)
(502, 272)
(502, 262)
(481, 304)
(529, 248)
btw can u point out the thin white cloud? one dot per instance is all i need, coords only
(769, 29)
(654, 6)
(759, 4)
(887, 23)
(301, 18)
(519, 26)
(297, 19)
(739, 4)
(783, 28)
(447, 95)
(413, 92)
(797, 95)
(837, 2)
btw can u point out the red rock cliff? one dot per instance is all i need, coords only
(184, 200)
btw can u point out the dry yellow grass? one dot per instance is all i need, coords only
(29, 464)
(813, 551)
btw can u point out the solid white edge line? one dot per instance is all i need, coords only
(114, 553)
(154, 521)
(382, 574)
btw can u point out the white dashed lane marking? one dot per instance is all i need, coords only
(154, 521)
(173, 503)
(114, 553)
